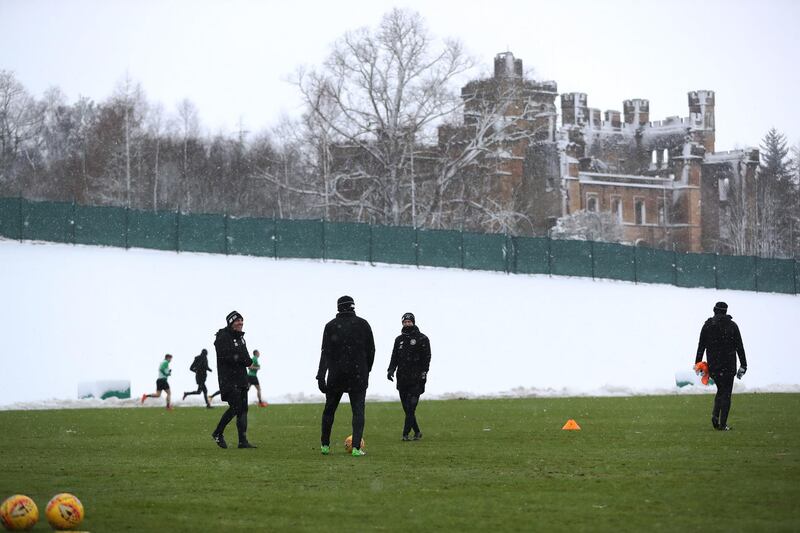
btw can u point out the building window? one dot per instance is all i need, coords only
(654, 158)
(638, 208)
(616, 208)
(665, 160)
(591, 203)
(661, 215)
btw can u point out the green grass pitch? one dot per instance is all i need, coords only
(638, 464)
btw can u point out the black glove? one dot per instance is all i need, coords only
(740, 373)
(390, 376)
(322, 387)
(424, 376)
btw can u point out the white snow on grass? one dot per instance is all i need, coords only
(73, 314)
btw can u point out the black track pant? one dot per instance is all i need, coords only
(722, 401)
(410, 399)
(357, 401)
(237, 402)
(201, 387)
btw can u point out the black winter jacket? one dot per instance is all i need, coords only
(721, 339)
(411, 357)
(200, 368)
(348, 351)
(232, 361)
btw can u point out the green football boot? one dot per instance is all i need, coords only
(358, 453)
(326, 450)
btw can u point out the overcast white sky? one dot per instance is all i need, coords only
(232, 58)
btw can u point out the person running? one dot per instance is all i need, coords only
(411, 357)
(721, 341)
(161, 383)
(348, 351)
(252, 377)
(200, 368)
(233, 359)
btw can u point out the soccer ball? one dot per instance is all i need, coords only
(64, 511)
(18, 513)
(348, 444)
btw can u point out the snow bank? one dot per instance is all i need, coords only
(78, 313)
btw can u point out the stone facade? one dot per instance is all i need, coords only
(662, 180)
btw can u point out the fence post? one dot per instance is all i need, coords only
(324, 242)
(127, 225)
(227, 235)
(716, 270)
(635, 267)
(371, 237)
(274, 237)
(757, 270)
(461, 247)
(591, 256)
(21, 220)
(549, 255)
(72, 222)
(178, 230)
(416, 246)
(674, 266)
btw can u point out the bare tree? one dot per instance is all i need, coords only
(588, 225)
(189, 126)
(377, 93)
(130, 97)
(155, 126)
(20, 123)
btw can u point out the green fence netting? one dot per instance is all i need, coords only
(439, 248)
(571, 258)
(202, 233)
(11, 218)
(531, 255)
(299, 238)
(149, 229)
(48, 221)
(348, 241)
(485, 251)
(736, 272)
(396, 245)
(654, 266)
(696, 270)
(315, 239)
(775, 275)
(106, 226)
(251, 236)
(613, 261)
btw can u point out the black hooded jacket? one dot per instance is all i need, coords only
(348, 351)
(232, 361)
(721, 339)
(411, 357)
(200, 368)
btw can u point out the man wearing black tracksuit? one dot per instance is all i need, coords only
(232, 362)
(721, 340)
(411, 357)
(348, 351)
(200, 368)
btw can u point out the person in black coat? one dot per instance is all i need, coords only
(232, 362)
(721, 341)
(411, 357)
(200, 368)
(348, 351)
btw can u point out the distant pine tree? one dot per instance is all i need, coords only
(776, 197)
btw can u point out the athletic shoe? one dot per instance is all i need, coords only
(418, 436)
(262, 404)
(170, 408)
(247, 445)
(406, 438)
(724, 428)
(326, 450)
(209, 406)
(219, 439)
(358, 453)
(144, 397)
(715, 422)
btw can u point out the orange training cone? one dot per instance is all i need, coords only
(571, 425)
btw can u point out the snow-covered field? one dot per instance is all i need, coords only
(81, 313)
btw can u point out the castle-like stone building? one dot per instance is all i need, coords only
(662, 180)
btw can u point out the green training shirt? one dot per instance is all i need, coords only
(253, 371)
(163, 370)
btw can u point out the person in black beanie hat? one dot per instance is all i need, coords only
(200, 368)
(721, 341)
(232, 362)
(348, 351)
(411, 357)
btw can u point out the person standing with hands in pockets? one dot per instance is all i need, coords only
(411, 358)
